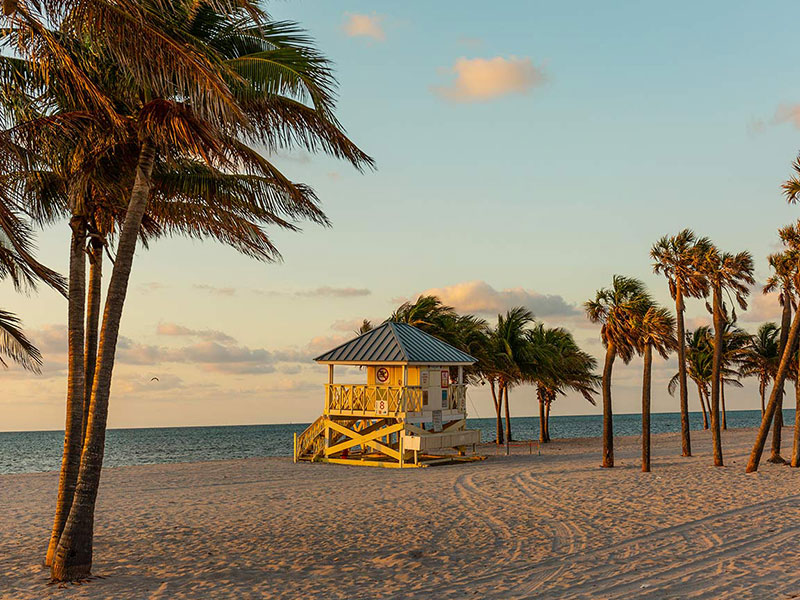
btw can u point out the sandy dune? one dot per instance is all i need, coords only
(526, 526)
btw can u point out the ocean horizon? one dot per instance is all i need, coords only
(40, 451)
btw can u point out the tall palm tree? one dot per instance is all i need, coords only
(730, 274)
(780, 281)
(791, 189)
(191, 82)
(566, 368)
(676, 258)
(617, 309)
(790, 236)
(761, 358)
(655, 330)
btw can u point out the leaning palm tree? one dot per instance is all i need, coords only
(780, 281)
(617, 309)
(655, 330)
(676, 257)
(790, 236)
(730, 274)
(761, 358)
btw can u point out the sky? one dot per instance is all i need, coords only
(524, 155)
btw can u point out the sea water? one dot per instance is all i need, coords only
(37, 451)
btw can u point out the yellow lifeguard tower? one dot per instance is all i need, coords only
(408, 413)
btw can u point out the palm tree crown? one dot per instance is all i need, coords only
(617, 308)
(676, 257)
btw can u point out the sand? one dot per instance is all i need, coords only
(527, 526)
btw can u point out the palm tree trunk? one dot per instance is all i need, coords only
(686, 442)
(547, 420)
(719, 324)
(777, 426)
(608, 419)
(508, 415)
(796, 438)
(542, 419)
(722, 397)
(70, 461)
(772, 405)
(498, 411)
(762, 388)
(646, 381)
(92, 323)
(702, 393)
(73, 558)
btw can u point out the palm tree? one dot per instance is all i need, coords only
(780, 281)
(676, 257)
(734, 344)
(366, 326)
(761, 358)
(513, 355)
(617, 309)
(655, 329)
(790, 236)
(431, 315)
(732, 274)
(202, 84)
(791, 189)
(566, 368)
(699, 358)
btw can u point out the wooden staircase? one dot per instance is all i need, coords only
(310, 444)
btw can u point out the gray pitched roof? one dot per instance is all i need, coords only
(396, 343)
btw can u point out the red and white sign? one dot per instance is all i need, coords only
(382, 407)
(382, 375)
(445, 379)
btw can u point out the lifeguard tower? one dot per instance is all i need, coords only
(410, 412)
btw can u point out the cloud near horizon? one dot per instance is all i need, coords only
(369, 26)
(217, 291)
(481, 79)
(173, 329)
(481, 298)
(335, 292)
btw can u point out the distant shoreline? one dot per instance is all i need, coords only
(305, 423)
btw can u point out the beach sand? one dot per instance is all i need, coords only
(527, 526)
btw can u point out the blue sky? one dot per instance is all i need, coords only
(530, 150)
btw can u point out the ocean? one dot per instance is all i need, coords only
(38, 451)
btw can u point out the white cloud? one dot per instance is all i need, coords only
(480, 79)
(369, 26)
